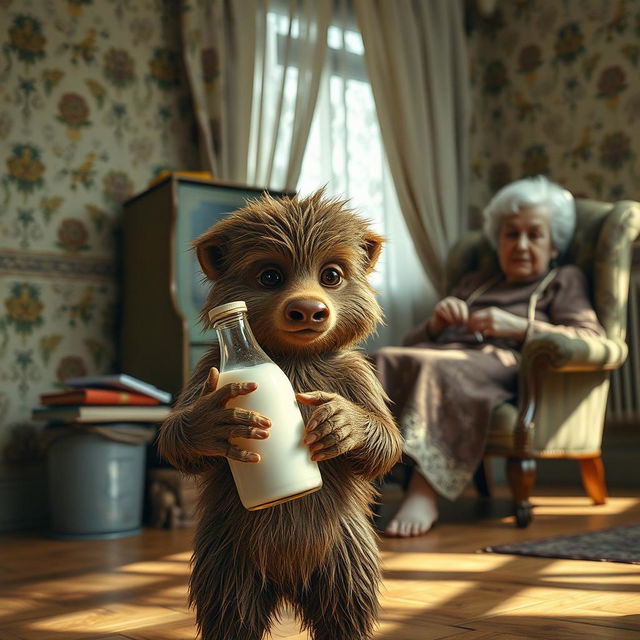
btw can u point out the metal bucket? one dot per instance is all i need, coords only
(96, 483)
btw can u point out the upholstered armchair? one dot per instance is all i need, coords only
(564, 382)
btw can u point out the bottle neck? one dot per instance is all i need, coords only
(238, 346)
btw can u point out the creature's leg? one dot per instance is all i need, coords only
(341, 602)
(231, 604)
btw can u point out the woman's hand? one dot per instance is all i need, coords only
(497, 323)
(449, 310)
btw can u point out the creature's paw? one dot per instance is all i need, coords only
(214, 426)
(335, 427)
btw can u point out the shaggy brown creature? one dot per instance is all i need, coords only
(301, 266)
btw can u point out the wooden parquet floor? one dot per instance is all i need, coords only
(437, 586)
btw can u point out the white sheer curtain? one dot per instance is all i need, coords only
(345, 153)
(218, 46)
(417, 61)
(254, 125)
(290, 56)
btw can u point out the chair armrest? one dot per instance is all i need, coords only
(559, 352)
(563, 354)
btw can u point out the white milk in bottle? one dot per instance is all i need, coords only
(285, 470)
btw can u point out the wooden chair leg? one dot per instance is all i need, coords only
(521, 474)
(482, 479)
(592, 471)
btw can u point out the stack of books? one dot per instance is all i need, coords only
(117, 398)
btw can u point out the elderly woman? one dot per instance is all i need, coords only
(463, 361)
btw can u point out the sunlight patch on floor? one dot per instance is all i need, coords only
(90, 584)
(566, 571)
(398, 561)
(183, 556)
(116, 617)
(157, 567)
(577, 505)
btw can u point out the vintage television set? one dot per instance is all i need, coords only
(162, 287)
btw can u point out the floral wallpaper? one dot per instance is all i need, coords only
(556, 91)
(93, 104)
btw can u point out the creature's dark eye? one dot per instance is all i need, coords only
(331, 276)
(270, 277)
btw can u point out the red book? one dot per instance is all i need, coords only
(96, 396)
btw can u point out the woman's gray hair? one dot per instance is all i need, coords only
(533, 192)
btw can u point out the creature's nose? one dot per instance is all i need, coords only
(307, 312)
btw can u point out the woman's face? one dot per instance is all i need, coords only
(524, 244)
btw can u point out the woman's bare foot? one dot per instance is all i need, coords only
(418, 511)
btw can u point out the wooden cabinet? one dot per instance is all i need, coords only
(163, 289)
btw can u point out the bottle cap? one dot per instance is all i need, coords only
(219, 312)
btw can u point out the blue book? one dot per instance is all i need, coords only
(120, 381)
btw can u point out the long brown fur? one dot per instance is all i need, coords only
(318, 552)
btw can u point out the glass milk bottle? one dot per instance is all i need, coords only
(285, 470)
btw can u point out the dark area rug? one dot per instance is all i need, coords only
(619, 544)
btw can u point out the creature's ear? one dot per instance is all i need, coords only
(210, 251)
(373, 245)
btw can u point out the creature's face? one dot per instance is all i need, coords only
(301, 266)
